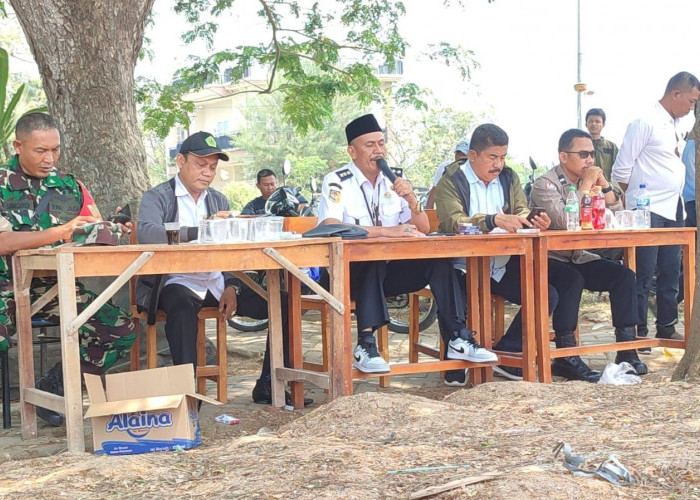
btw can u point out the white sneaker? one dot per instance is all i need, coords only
(467, 349)
(367, 360)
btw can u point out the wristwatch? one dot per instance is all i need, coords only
(236, 288)
(607, 189)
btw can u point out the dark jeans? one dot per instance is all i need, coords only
(666, 261)
(564, 291)
(603, 275)
(182, 306)
(372, 282)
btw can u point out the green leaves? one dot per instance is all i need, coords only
(18, 104)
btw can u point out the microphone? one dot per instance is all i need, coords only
(384, 167)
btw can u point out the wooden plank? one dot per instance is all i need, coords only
(541, 286)
(22, 280)
(423, 367)
(70, 354)
(39, 304)
(250, 283)
(528, 315)
(301, 275)
(296, 357)
(44, 399)
(274, 304)
(341, 340)
(113, 288)
(457, 483)
(321, 380)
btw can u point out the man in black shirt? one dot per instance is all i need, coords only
(267, 184)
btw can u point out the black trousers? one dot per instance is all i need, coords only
(609, 276)
(182, 306)
(564, 292)
(372, 282)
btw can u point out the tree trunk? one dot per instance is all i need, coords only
(86, 52)
(689, 365)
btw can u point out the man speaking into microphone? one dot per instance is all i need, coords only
(367, 193)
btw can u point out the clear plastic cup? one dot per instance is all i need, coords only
(205, 232)
(238, 229)
(624, 218)
(641, 219)
(220, 230)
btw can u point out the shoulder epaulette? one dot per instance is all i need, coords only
(398, 171)
(562, 179)
(344, 174)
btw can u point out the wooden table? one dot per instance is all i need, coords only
(628, 240)
(477, 249)
(71, 262)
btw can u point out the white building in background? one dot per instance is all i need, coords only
(219, 109)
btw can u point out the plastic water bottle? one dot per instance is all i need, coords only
(572, 210)
(643, 204)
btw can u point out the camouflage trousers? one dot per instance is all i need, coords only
(104, 338)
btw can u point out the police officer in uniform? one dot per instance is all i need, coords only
(550, 191)
(360, 194)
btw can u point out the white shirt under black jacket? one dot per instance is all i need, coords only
(190, 213)
(349, 197)
(648, 156)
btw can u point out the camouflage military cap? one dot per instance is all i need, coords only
(99, 233)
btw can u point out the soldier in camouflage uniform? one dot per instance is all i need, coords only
(605, 150)
(39, 206)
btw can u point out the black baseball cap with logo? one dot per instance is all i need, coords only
(202, 144)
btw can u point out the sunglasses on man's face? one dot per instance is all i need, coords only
(582, 154)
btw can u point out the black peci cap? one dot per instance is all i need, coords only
(361, 126)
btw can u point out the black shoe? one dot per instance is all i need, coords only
(456, 378)
(262, 394)
(632, 358)
(668, 332)
(51, 382)
(573, 368)
(509, 372)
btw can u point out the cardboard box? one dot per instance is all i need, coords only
(147, 410)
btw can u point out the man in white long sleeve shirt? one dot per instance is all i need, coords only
(650, 154)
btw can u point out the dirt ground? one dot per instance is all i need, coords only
(396, 443)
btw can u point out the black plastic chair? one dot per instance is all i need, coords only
(42, 340)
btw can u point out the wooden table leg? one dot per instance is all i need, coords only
(688, 284)
(527, 308)
(22, 281)
(541, 270)
(295, 336)
(480, 287)
(340, 366)
(274, 305)
(70, 353)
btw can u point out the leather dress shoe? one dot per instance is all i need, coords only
(262, 394)
(574, 368)
(632, 358)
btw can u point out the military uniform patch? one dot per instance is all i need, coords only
(334, 192)
(550, 185)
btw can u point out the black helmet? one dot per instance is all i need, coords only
(283, 202)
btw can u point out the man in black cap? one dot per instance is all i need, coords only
(187, 199)
(361, 194)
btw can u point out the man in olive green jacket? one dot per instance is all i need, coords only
(484, 191)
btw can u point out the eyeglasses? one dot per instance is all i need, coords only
(582, 154)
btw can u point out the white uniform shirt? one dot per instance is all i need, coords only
(486, 199)
(348, 196)
(189, 214)
(440, 171)
(648, 156)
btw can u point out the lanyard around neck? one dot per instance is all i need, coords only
(373, 211)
